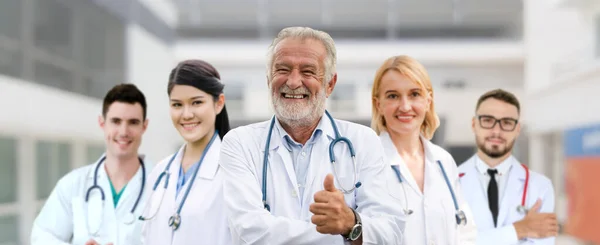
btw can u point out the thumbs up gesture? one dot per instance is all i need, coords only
(331, 215)
(536, 224)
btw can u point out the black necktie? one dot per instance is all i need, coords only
(493, 194)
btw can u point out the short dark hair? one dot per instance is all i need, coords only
(126, 93)
(203, 76)
(501, 95)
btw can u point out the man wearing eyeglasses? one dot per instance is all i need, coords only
(511, 204)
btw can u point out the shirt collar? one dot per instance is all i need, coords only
(502, 168)
(288, 142)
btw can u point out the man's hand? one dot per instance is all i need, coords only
(331, 214)
(536, 224)
(93, 242)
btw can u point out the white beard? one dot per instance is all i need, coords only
(299, 114)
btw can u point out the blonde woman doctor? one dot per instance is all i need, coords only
(422, 177)
(186, 205)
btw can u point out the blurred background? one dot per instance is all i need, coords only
(59, 57)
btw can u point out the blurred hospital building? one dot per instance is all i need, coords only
(59, 57)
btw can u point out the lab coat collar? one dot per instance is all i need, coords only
(131, 188)
(277, 137)
(394, 158)
(210, 163)
(286, 139)
(503, 168)
(391, 151)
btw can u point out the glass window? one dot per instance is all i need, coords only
(598, 35)
(10, 19)
(9, 230)
(342, 97)
(8, 165)
(94, 152)
(10, 59)
(53, 76)
(234, 98)
(53, 162)
(94, 41)
(52, 30)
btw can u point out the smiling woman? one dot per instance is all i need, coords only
(197, 109)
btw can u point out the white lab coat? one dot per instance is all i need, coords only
(289, 221)
(433, 219)
(64, 217)
(540, 187)
(203, 219)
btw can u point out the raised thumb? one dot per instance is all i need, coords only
(328, 183)
(536, 207)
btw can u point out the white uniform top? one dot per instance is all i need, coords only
(289, 221)
(433, 219)
(475, 190)
(203, 219)
(65, 215)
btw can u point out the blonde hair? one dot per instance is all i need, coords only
(416, 72)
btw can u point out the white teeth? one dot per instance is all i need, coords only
(190, 125)
(404, 117)
(122, 142)
(294, 96)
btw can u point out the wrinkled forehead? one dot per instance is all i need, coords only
(298, 51)
(498, 109)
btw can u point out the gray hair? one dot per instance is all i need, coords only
(306, 33)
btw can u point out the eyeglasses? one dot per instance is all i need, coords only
(506, 124)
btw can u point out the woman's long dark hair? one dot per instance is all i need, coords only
(201, 75)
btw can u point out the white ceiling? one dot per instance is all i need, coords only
(404, 18)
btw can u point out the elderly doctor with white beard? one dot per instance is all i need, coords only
(282, 185)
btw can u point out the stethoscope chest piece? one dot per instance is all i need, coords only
(175, 221)
(522, 209)
(129, 219)
(461, 218)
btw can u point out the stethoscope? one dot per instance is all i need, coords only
(461, 218)
(130, 217)
(337, 139)
(175, 219)
(521, 208)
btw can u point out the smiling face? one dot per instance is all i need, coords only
(496, 127)
(402, 102)
(193, 112)
(298, 89)
(123, 127)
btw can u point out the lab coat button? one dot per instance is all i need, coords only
(294, 193)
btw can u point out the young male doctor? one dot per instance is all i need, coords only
(496, 184)
(99, 203)
(281, 186)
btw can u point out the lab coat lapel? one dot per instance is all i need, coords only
(512, 193)
(109, 215)
(394, 158)
(433, 171)
(477, 196)
(210, 164)
(278, 150)
(319, 159)
(169, 199)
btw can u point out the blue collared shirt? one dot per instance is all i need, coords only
(300, 153)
